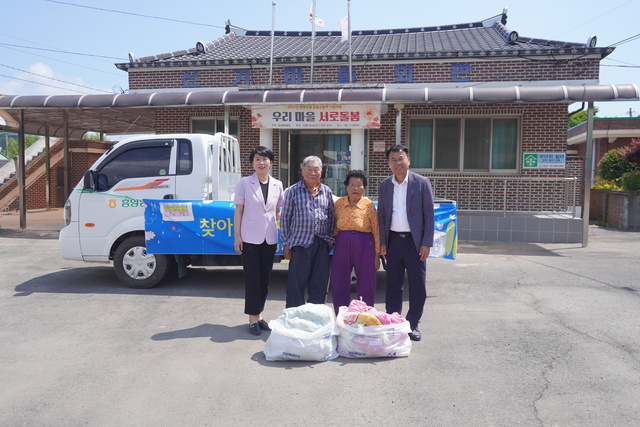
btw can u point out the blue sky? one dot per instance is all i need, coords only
(96, 39)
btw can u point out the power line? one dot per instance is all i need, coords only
(61, 51)
(133, 14)
(621, 62)
(52, 78)
(40, 84)
(621, 66)
(31, 42)
(597, 17)
(64, 62)
(24, 40)
(627, 40)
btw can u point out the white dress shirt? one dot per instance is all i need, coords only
(399, 221)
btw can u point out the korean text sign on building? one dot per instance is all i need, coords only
(544, 160)
(316, 116)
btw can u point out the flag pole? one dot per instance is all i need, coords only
(313, 36)
(349, 38)
(273, 32)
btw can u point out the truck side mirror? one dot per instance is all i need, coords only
(89, 181)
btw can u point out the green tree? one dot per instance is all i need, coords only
(580, 117)
(612, 166)
(12, 149)
(93, 136)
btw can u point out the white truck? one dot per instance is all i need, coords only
(104, 214)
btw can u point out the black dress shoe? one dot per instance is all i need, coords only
(415, 335)
(254, 328)
(263, 325)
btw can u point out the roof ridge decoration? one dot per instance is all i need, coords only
(510, 37)
(183, 52)
(334, 33)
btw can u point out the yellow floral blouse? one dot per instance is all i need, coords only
(362, 217)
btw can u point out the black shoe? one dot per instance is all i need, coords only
(254, 328)
(415, 335)
(264, 326)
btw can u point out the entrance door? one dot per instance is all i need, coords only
(334, 149)
(61, 198)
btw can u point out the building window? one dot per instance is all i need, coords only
(464, 144)
(212, 125)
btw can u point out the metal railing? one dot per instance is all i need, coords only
(509, 194)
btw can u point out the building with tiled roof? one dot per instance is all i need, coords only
(482, 109)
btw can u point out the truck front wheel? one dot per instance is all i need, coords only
(135, 267)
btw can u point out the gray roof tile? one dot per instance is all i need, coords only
(477, 39)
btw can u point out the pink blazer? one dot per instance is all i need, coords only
(258, 217)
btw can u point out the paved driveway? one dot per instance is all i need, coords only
(513, 334)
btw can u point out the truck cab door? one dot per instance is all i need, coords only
(136, 171)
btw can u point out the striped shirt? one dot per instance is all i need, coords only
(361, 217)
(305, 216)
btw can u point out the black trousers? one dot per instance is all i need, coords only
(257, 261)
(309, 270)
(402, 256)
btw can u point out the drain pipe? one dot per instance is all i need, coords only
(573, 113)
(587, 177)
(398, 108)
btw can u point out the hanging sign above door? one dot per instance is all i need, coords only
(312, 116)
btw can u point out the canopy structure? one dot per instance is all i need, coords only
(71, 116)
(135, 112)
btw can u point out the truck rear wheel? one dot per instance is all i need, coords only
(135, 267)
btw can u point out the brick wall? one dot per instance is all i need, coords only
(616, 209)
(543, 125)
(613, 209)
(372, 72)
(543, 130)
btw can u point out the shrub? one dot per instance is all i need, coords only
(631, 152)
(612, 166)
(631, 181)
(603, 184)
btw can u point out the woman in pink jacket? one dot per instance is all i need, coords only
(258, 200)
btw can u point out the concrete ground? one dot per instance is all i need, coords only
(37, 219)
(513, 334)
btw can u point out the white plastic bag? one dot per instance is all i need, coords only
(373, 341)
(304, 333)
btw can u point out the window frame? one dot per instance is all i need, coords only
(215, 119)
(461, 148)
(115, 155)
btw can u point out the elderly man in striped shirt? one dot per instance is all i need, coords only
(306, 230)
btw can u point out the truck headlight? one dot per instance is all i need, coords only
(67, 212)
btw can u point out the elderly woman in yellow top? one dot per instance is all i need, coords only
(357, 244)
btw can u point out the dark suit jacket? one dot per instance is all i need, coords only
(419, 209)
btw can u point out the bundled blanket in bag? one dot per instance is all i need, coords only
(367, 332)
(305, 333)
(359, 313)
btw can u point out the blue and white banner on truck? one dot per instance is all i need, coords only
(206, 227)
